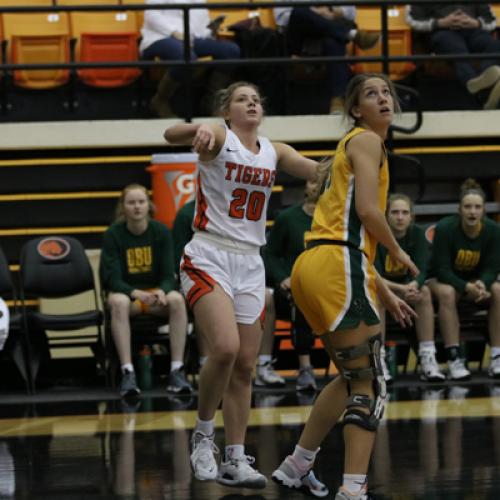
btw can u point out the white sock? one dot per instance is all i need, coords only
(175, 365)
(304, 458)
(128, 367)
(354, 483)
(205, 426)
(264, 358)
(234, 451)
(495, 351)
(426, 346)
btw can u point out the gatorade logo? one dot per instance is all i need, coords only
(185, 183)
(182, 187)
(53, 248)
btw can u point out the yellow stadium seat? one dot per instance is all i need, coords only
(37, 38)
(138, 13)
(106, 37)
(25, 3)
(399, 41)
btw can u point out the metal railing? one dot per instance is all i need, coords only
(385, 58)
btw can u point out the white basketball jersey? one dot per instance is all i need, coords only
(233, 191)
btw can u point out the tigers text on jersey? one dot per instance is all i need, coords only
(233, 191)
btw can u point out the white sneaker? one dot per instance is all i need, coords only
(494, 368)
(267, 377)
(202, 456)
(288, 474)
(429, 368)
(343, 494)
(457, 370)
(239, 472)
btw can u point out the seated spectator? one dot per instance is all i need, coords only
(266, 375)
(463, 29)
(411, 239)
(163, 38)
(284, 244)
(331, 28)
(465, 265)
(137, 273)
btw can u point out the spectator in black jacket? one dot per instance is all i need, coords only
(462, 29)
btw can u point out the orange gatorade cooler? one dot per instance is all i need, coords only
(173, 181)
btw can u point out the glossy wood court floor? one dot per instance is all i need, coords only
(436, 442)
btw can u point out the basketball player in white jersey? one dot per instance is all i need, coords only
(222, 273)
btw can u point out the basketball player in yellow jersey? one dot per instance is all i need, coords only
(335, 285)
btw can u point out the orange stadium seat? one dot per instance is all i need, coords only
(37, 38)
(399, 40)
(87, 2)
(105, 37)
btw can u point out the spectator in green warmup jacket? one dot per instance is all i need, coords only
(137, 273)
(411, 239)
(465, 264)
(284, 244)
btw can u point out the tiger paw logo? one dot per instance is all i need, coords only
(53, 248)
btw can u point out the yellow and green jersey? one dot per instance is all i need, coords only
(335, 217)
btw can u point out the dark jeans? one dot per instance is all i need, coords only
(464, 42)
(305, 25)
(171, 49)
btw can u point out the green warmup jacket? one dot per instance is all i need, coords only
(457, 259)
(285, 243)
(182, 231)
(130, 261)
(416, 246)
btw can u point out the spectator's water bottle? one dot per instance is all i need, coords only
(391, 358)
(145, 366)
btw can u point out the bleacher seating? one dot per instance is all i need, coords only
(399, 40)
(35, 38)
(104, 37)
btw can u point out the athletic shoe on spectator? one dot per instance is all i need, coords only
(429, 368)
(306, 380)
(177, 383)
(457, 370)
(128, 385)
(494, 368)
(267, 377)
(343, 494)
(366, 39)
(485, 80)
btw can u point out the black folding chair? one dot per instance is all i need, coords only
(58, 267)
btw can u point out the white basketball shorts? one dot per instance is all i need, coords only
(237, 269)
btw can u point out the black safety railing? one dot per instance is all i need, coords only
(385, 58)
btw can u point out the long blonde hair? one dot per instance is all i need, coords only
(322, 173)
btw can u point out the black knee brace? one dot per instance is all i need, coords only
(357, 402)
